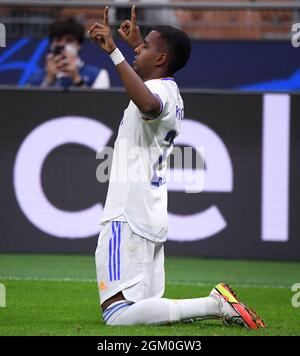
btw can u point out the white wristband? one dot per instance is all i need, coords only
(117, 56)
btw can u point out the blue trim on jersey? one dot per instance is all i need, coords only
(109, 309)
(115, 246)
(113, 310)
(119, 248)
(168, 78)
(109, 263)
(114, 252)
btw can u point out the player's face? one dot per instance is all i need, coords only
(146, 55)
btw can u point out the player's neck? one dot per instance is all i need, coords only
(156, 75)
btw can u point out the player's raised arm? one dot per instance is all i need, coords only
(147, 103)
(130, 31)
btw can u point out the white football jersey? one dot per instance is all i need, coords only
(137, 191)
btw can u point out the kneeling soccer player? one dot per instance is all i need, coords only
(130, 255)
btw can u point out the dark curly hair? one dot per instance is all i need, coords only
(67, 27)
(178, 45)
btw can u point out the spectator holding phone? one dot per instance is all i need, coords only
(64, 67)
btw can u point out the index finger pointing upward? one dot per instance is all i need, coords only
(105, 16)
(133, 15)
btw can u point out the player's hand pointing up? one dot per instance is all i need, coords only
(101, 34)
(130, 32)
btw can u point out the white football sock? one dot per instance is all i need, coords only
(161, 311)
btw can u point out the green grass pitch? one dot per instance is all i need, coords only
(57, 295)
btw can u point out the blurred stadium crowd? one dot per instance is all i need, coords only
(202, 19)
(241, 44)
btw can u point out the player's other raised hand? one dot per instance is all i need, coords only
(101, 34)
(130, 32)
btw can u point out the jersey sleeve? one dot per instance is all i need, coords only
(158, 88)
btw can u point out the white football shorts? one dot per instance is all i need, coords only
(128, 263)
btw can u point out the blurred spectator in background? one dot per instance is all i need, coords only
(64, 67)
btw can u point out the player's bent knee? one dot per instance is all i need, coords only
(113, 314)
